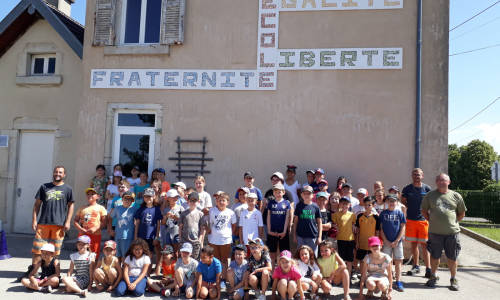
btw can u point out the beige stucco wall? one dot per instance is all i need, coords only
(357, 123)
(37, 107)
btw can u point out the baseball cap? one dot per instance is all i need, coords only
(186, 247)
(345, 199)
(394, 188)
(374, 241)
(278, 186)
(245, 189)
(391, 197)
(84, 239)
(362, 191)
(323, 182)
(248, 174)
(137, 168)
(167, 250)
(180, 184)
(149, 192)
(161, 170)
(118, 173)
(240, 247)
(252, 195)
(319, 170)
(285, 254)
(110, 244)
(194, 195)
(48, 247)
(322, 194)
(307, 188)
(279, 175)
(90, 190)
(347, 185)
(128, 194)
(291, 168)
(218, 193)
(172, 193)
(256, 241)
(310, 171)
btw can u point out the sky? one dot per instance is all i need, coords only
(474, 78)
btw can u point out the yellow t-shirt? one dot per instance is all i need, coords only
(328, 265)
(367, 227)
(90, 216)
(344, 222)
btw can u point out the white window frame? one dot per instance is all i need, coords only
(46, 58)
(135, 130)
(142, 26)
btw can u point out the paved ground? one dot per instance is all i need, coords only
(479, 275)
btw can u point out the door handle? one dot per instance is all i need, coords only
(19, 190)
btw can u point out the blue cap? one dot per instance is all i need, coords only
(161, 170)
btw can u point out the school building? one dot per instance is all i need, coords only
(223, 86)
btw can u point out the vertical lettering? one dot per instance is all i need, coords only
(247, 76)
(263, 23)
(369, 58)
(312, 2)
(306, 59)
(189, 78)
(265, 81)
(212, 81)
(268, 4)
(389, 57)
(326, 4)
(95, 77)
(287, 63)
(169, 79)
(116, 78)
(153, 75)
(289, 3)
(325, 59)
(263, 64)
(350, 3)
(272, 40)
(228, 76)
(134, 77)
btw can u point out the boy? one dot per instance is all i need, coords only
(251, 225)
(208, 275)
(361, 195)
(347, 192)
(326, 215)
(307, 221)
(134, 180)
(236, 272)
(368, 225)
(393, 223)
(238, 207)
(249, 180)
(185, 272)
(169, 224)
(345, 220)
(191, 226)
(278, 222)
(123, 233)
(123, 187)
(89, 220)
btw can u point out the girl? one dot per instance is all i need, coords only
(108, 272)
(309, 270)
(379, 200)
(82, 263)
(333, 202)
(99, 183)
(134, 179)
(166, 283)
(116, 168)
(139, 188)
(286, 278)
(112, 189)
(49, 277)
(135, 269)
(333, 269)
(340, 182)
(378, 185)
(259, 268)
(205, 199)
(292, 185)
(376, 271)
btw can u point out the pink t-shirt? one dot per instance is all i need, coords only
(293, 274)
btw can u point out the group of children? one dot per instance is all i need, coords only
(332, 234)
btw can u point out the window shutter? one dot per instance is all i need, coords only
(104, 29)
(172, 21)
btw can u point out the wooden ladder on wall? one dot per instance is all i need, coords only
(190, 163)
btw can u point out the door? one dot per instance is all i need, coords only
(34, 168)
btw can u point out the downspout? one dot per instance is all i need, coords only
(418, 134)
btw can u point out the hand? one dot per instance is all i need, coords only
(394, 244)
(295, 239)
(34, 224)
(109, 289)
(131, 286)
(318, 241)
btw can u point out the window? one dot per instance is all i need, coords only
(43, 64)
(141, 21)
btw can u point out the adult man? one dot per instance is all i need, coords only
(443, 208)
(416, 225)
(56, 202)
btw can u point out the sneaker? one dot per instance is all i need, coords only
(83, 293)
(222, 284)
(257, 294)
(432, 281)
(413, 271)
(428, 273)
(262, 297)
(44, 289)
(454, 284)
(399, 286)
(165, 293)
(50, 290)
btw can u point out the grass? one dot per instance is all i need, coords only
(492, 233)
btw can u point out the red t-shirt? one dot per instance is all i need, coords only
(168, 270)
(293, 274)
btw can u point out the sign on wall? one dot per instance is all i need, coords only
(270, 59)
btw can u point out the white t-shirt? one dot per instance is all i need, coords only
(133, 182)
(359, 209)
(292, 189)
(250, 221)
(205, 200)
(354, 201)
(220, 224)
(135, 265)
(112, 189)
(306, 270)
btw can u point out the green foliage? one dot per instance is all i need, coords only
(494, 187)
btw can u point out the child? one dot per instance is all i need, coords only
(379, 200)
(89, 220)
(309, 270)
(378, 185)
(286, 278)
(251, 225)
(99, 182)
(208, 275)
(326, 216)
(345, 220)
(117, 201)
(259, 268)
(123, 233)
(205, 200)
(185, 272)
(135, 269)
(49, 277)
(134, 179)
(278, 222)
(140, 187)
(360, 208)
(333, 202)
(166, 283)
(165, 185)
(310, 177)
(82, 264)
(108, 272)
(333, 269)
(249, 180)
(222, 226)
(347, 193)
(376, 272)
(191, 227)
(340, 182)
(368, 225)
(169, 224)
(235, 273)
(147, 224)
(112, 189)
(393, 223)
(307, 221)
(291, 184)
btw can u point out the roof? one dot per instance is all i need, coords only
(27, 12)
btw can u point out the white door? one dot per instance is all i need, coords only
(35, 168)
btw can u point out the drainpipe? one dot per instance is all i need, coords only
(418, 134)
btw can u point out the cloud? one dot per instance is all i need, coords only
(490, 133)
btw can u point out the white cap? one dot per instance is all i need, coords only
(181, 184)
(279, 175)
(363, 191)
(48, 247)
(172, 193)
(252, 195)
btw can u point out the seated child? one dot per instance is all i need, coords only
(309, 270)
(108, 272)
(82, 264)
(236, 272)
(333, 269)
(208, 275)
(185, 272)
(135, 269)
(376, 271)
(166, 283)
(286, 278)
(259, 268)
(49, 277)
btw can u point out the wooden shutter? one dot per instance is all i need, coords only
(172, 21)
(104, 29)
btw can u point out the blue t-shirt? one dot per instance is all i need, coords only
(139, 189)
(414, 196)
(277, 211)
(307, 227)
(209, 272)
(148, 217)
(239, 270)
(255, 190)
(124, 217)
(390, 222)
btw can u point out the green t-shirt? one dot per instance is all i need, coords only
(443, 210)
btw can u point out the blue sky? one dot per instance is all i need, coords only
(474, 78)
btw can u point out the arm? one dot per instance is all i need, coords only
(460, 216)
(76, 223)
(363, 279)
(110, 224)
(125, 274)
(269, 232)
(240, 234)
(198, 284)
(69, 215)
(299, 288)
(340, 263)
(142, 275)
(404, 201)
(136, 229)
(217, 284)
(261, 232)
(294, 228)
(158, 229)
(36, 209)
(275, 285)
(71, 267)
(320, 230)
(287, 223)
(119, 275)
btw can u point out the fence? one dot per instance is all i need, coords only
(482, 204)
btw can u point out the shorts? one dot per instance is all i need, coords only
(396, 252)
(53, 234)
(82, 281)
(195, 254)
(151, 245)
(361, 253)
(450, 244)
(382, 279)
(417, 231)
(95, 243)
(222, 252)
(208, 285)
(273, 242)
(240, 292)
(122, 247)
(346, 250)
(169, 240)
(311, 242)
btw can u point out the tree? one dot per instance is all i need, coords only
(454, 166)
